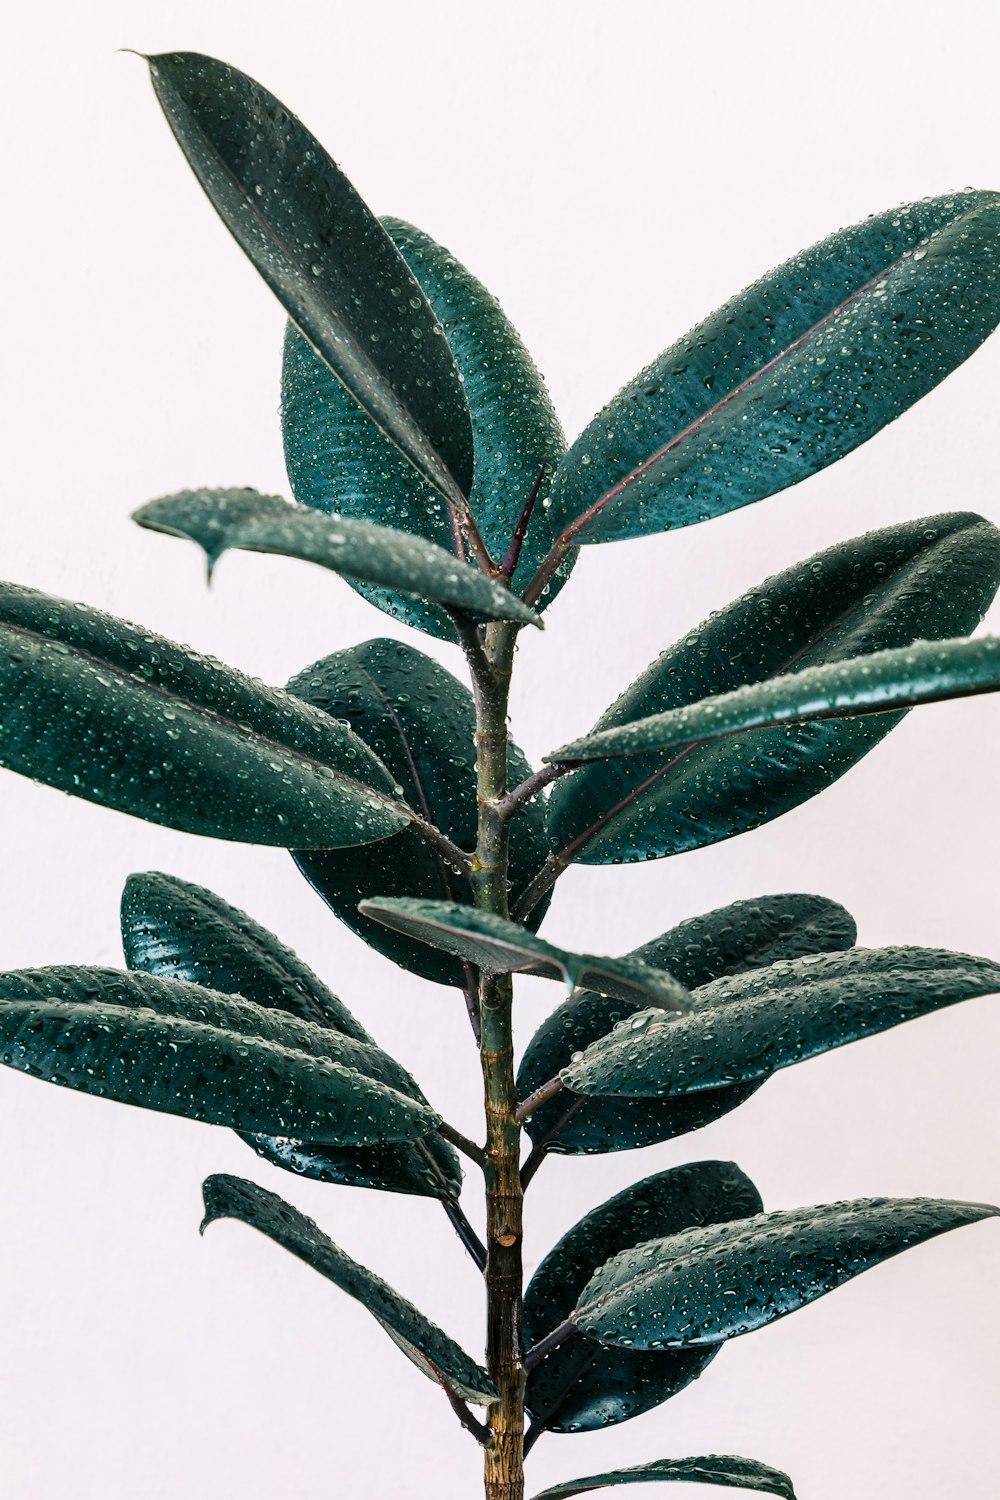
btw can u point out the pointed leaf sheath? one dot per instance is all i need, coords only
(108, 711)
(327, 259)
(358, 550)
(498, 946)
(580, 1386)
(174, 930)
(793, 373)
(743, 1028)
(714, 1283)
(926, 672)
(715, 1468)
(430, 1349)
(420, 721)
(748, 935)
(173, 1047)
(339, 462)
(925, 580)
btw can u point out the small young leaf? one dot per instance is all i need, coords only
(746, 935)
(793, 373)
(430, 1349)
(713, 1283)
(928, 579)
(420, 721)
(742, 1028)
(108, 711)
(326, 257)
(924, 672)
(358, 550)
(716, 1468)
(339, 462)
(580, 1386)
(499, 946)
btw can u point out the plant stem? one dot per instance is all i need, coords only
(462, 1143)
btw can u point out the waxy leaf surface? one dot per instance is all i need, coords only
(420, 721)
(713, 1283)
(108, 711)
(746, 935)
(582, 1386)
(796, 371)
(742, 1028)
(358, 550)
(340, 463)
(714, 1468)
(325, 256)
(925, 580)
(175, 930)
(499, 946)
(430, 1349)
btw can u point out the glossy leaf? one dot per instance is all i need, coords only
(168, 1046)
(358, 550)
(748, 935)
(420, 720)
(581, 1386)
(110, 712)
(498, 946)
(325, 256)
(713, 1283)
(927, 579)
(716, 1468)
(926, 672)
(430, 1349)
(813, 359)
(743, 1028)
(338, 462)
(174, 930)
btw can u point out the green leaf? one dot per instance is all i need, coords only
(739, 1473)
(339, 462)
(927, 579)
(173, 1047)
(326, 257)
(925, 672)
(743, 1028)
(499, 946)
(746, 935)
(358, 550)
(430, 1349)
(174, 930)
(793, 373)
(420, 721)
(108, 711)
(581, 1386)
(717, 1282)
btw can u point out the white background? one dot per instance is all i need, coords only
(612, 173)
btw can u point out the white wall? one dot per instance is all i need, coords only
(612, 173)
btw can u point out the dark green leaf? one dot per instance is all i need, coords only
(174, 1047)
(175, 930)
(420, 720)
(793, 373)
(430, 1349)
(110, 712)
(927, 579)
(716, 1468)
(926, 672)
(581, 1386)
(326, 257)
(743, 1028)
(358, 550)
(338, 462)
(746, 935)
(714, 1283)
(498, 946)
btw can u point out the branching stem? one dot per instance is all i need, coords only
(465, 1232)
(518, 796)
(526, 1109)
(462, 1143)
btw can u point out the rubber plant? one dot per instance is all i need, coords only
(430, 471)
